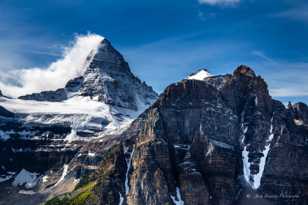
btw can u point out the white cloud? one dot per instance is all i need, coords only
(289, 79)
(206, 16)
(219, 2)
(293, 91)
(261, 55)
(24, 81)
(285, 78)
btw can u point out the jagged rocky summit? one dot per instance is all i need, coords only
(48, 140)
(221, 140)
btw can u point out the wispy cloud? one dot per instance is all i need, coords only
(285, 78)
(289, 79)
(72, 64)
(170, 60)
(206, 16)
(219, 2)
(299, 13)
(261, 55)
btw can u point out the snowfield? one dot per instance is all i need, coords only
(26, 179)
(82, 113)
(200, 75)
(75, 105)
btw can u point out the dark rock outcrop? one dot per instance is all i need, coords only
(220, 141)
(59, 95)
(5, 113)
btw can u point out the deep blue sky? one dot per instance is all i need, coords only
(165, 40)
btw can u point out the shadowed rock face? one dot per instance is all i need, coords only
(58, 95)
(300, 113)
(5, 113)
(221, 141)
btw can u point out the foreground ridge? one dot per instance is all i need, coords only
(220, 140)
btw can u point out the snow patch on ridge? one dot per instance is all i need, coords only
(129, 164)
(4, 136)
(298, 122)
(254, 180)
(257, 177)
(91, 154)
(26, 178)
(72, 136)
(75, 105)
(121, 199)
(210, 150)
(246, 165)
(6, 177)
(83, 113)
(45, 178)
(199, 75)
(178, 199)
(64, 173)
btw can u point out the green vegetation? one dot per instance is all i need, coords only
(83, 193)
(78, 197)
(58, 201)
(81, 198)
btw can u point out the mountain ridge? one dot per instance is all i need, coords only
(210, 140)
(209, 143)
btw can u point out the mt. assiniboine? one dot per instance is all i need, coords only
(106, 138)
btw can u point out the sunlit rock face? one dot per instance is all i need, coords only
(220, 140)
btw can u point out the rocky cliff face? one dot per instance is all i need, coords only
(5, 113)
(221, 140)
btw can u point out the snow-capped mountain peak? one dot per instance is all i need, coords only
(106, 78)
(98, 100)
(201, 74)
(104, 98)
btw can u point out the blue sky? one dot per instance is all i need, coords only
(165, 40)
